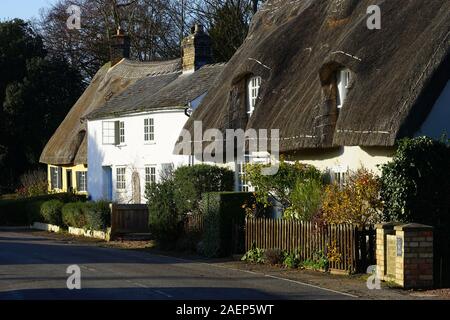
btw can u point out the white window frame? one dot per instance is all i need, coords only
(121, 132)
(339, 175)
(149, 130)
(83, 181)
(150, 174)
(109, 132)
(55, 172)
(121, 181)
(343, 83)
(253, 87)
(243, 184)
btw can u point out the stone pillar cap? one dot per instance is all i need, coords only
(387, 225)
(412, 227)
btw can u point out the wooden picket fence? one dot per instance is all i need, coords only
(353, 248)
(194, 222)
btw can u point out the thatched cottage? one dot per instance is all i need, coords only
(340, 94)
(127, 121)
(66, 151)
(131, 137)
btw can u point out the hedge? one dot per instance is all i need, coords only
(51, 211)
(87, 215)
(73, 215)
(416, 183)
(25, 211)
(98, 215)
(224, 214)
(190, 182)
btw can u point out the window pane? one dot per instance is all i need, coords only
(149, 129)
(120, 179)
(108, 132)
(254, 84)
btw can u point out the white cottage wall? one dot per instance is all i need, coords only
(134, 154)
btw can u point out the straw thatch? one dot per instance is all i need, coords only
(296, 45)
(68, 145)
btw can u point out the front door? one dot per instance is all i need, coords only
(108, 184)
(69, 181)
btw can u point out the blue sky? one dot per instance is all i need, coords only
(25, 9)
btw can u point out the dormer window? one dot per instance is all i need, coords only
(343, 82)
(253, 85)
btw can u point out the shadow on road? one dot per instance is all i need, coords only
(138, 294)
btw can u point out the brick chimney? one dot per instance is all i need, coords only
(120, 47)
(197, 50)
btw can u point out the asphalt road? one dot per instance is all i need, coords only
(35, 268)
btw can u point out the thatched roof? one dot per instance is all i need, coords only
(160, 91)
(68, 145)
(296, 45)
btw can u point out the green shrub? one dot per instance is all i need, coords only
(223, 212)
(292, 260)
(318, 262)
(25, 211)
(254, 255)
(191, 182)
(416, 183)
(97, 215)
(51, 211)
(273, 256)
(73, 215)
(306, 199)
(281, 185)
(164, 221)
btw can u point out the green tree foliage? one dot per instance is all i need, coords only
(416, 183)
(36, 92)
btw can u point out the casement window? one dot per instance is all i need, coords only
(343, 82)
(55, 178)
(110, 132)
(166, 169)
(253, 85)
(81, 181)
(121, 132)
(113, 132)
(339, 176)
(243, 183)
(150, 175)
(149, 130)
(120, 178)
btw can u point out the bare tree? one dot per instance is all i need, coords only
(156, 28)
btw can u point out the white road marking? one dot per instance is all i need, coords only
(262, 274)
(311, 285)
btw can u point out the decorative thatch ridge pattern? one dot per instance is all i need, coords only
(68, 145)
(297, 45)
